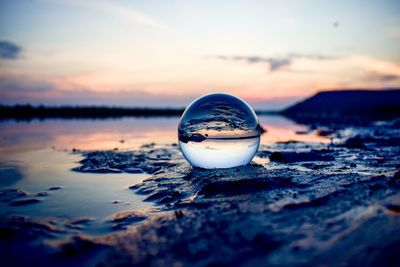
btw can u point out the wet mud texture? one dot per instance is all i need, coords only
(312, 204)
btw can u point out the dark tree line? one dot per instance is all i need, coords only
(27, 112)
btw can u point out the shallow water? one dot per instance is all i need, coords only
(38, 155)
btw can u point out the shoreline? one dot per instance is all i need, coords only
(308, 204)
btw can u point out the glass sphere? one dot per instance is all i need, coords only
(219, 131)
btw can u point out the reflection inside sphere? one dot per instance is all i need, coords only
(219, 131)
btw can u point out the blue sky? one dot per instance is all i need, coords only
(166, 53)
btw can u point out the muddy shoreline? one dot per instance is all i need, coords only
(302, 204)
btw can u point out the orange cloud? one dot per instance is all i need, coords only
(189, 77)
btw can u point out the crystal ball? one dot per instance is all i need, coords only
(219, 131)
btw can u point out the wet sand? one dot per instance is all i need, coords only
(296, 204)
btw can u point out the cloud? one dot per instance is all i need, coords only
(275, 63)
(23, 84)
(9, 50)
(161, 86)
(21, 89)
(387, 78)
(376, 77)
(310, 56)
(127, 14)
(381, 67)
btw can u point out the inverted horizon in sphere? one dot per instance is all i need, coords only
(219, 131)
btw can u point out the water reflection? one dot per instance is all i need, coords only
(127, 133)
(36, 155)
(281, 129)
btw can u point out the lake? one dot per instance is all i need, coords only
(37, 157)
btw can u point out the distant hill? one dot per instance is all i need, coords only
(365, 104)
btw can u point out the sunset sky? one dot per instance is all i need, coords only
(167, 53)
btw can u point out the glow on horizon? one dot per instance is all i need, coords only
(153, 53)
